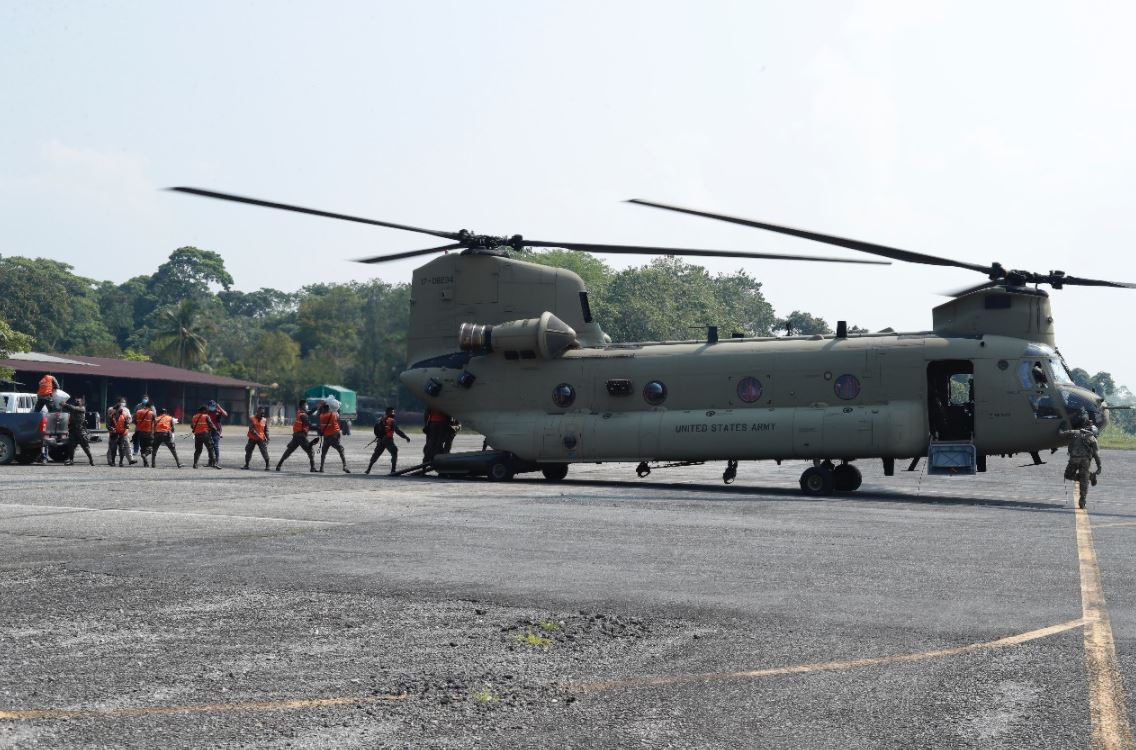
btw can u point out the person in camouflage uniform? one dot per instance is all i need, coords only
(1083, 450)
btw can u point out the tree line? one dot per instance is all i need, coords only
(187, 314)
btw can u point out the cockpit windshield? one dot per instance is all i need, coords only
(1058, 372)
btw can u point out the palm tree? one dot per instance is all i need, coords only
(177, 336)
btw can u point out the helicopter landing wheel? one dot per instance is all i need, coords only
(499, 471)
(816, 480)
(846, 478)
(554, 472)
(731, 472)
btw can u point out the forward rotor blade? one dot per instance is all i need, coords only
(408, 254)
(312, 211)
(1075, 281)
(642, 250)
(865, 247)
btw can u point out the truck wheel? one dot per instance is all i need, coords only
(499, 471)
(554, 472)
(7, 449)
(58, 453)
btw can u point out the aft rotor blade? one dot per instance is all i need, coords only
(642, 250)
(312, 211)
(408, 254)
(970, 289)
(865, 247)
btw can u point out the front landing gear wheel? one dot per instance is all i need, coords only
(816, 481)
(554, 472)
(846, 478)
(499, 471)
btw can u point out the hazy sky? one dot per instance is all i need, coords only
(984, 131)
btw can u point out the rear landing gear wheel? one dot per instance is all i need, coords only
(816, 481)
(499, 471)
(846, 478)
(554, 472)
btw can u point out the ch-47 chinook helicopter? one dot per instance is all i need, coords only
(512, 350)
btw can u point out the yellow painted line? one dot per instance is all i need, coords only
(830, 666)
(1107, 707)
(1114, 523)
(199, 708)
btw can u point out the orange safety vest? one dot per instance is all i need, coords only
(329, 423)
(143, 420)
(301, 423)
(200, 423)
(164, 423)
(119, 423)
(46, 386)
(256, 428)
(387, 426)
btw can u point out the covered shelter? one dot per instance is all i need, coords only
(102, 380)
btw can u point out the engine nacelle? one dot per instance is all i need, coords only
(546, 337)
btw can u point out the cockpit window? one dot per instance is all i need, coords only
(1059, 373)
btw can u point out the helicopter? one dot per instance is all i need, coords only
(511, 349)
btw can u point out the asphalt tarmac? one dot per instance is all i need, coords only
(181, 608)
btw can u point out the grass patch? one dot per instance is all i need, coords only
(484, 696)
(1116, 438)
(532, 639)
(548, 626)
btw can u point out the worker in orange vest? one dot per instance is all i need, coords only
(300, 428)
(436, 426)
(257, 437)
(329, 431)
(48, 385)
(117, 433)
(144, 417)
(203, 428)
(385, 430)
(164, 435)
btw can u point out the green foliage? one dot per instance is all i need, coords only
(178, 336)
(187, 274)
(11, 341)
(802, 324)
(136, 356)
(672, 299)
(58, 309)
(1114, 437)
(532, 639)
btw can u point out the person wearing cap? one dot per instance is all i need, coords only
(216, 413)
(117, 429)
(329, 430)
(385, 430)
(144, 416)
(203, 427)
(300, 428)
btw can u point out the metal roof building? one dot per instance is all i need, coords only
(101, 380)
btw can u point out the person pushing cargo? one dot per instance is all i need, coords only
(300, 428)
(144, 417)
(203, 429)
(117, 430)
(164, 435)
(77, 430)
(257, 437)
(385, 430)
(48, 385)
(329, 431)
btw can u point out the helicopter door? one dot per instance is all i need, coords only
(950, 399)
